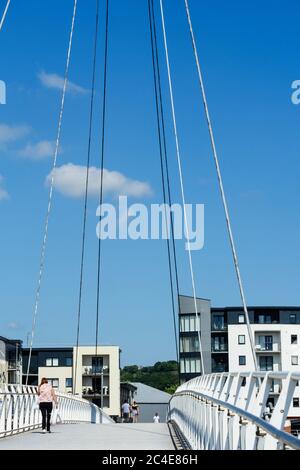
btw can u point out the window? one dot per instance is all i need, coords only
(69, 361)
(242, 339)
(292, 318)
(190, 344)
(266, 363)
(219, 343)
(266, 343)
(190, 366)
(294, 360)
(241, 318)
(266, 318)
(296, 402)
(242, 360)
(294, 339)
(52, 362)
(69, 382)
(188, 323)
(54, 382)
(218, 322)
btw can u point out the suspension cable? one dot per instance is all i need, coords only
(44, 244)
(167, 178)
(4, 14)
(159, 118)
(220, 179)
(181, 184)
(102, 179)
(83, 243)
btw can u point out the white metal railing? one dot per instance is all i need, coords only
(19, 410)
(227, 411)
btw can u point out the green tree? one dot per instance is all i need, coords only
(163, 375)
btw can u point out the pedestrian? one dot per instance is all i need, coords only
(156, 418)
(134, 411)
(125, 411)
(46, 399)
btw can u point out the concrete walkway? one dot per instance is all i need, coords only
(93, 437)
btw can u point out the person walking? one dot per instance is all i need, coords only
(156, 418)
(125, 411)
(134, 412)
(47, 397)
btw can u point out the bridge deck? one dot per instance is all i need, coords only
(93, 437)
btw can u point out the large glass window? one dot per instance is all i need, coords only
(266, 343)
(190, 366)
(97, 365)
(266, 363)
(218, 322)
(266, 318)
(241, 318)
(189, 344)
(219, 343)
(69, 361)
(188, 323)
(292, 318)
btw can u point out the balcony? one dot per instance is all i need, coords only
(92, 371)
(13, 365)
(89, 392)
(268, 348)
(219, 327)
(220, 348)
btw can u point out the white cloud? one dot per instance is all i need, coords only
(3, 193)
(13, 326)
(12, 133)
(52, 80)
(38, 151)
(70, 179)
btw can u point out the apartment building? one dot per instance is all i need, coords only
(79, 371)
(10, 361)
(276, 332)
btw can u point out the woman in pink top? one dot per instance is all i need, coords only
(46, 398)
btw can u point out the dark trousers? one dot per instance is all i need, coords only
(46, 409)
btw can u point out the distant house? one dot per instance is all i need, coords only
(151, 401)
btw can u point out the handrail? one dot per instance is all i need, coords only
(282, 436)
(231, 410)
(19, 410)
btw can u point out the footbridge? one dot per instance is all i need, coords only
(212, 412)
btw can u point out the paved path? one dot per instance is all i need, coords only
(93, 437)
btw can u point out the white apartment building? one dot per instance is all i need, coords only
(276, 333)
(10, 361)
(80, 371)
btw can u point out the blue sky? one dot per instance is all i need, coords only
(249, 52)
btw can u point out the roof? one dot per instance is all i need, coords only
(237, 309)
(147, 394)
(10, 341)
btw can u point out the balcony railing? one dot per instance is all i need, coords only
(268, 347)
(94, 370)
(218, 327)
(219, 348)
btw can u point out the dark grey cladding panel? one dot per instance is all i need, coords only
(187, 305)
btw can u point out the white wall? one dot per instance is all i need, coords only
(60, 373)
(282, 343)
(112, 360)
(3, 363)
